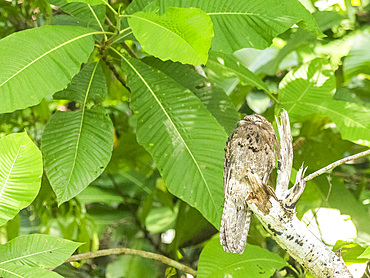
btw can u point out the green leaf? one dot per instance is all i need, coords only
(180, 34)
(212, 96)
(181, 135)
(20, 174)
(254, 262)
(90, 79)
(77, 146)
(242, 24)
(310, 88)
(54, 55)
(358, 59)
(37, 250)
(95, 194)
(10, 270)
(366, 253)
(90, 2)
(83, 14)
(227, 66)
(327, 19)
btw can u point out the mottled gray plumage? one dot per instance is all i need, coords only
(249, 151)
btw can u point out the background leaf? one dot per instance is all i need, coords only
(20, 174)
(180, 34)
(174, 126)
(28, 76)
(309, 89)
(254, 262)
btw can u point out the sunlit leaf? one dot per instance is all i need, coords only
(239, 24)
(310, 88)
(180, 34)
(181, 135)
(54, 55)
(37, 250)
(20, 174)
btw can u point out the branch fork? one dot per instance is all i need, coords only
(276, 211)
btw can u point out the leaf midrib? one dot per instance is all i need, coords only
(81, 124)
(10, 171)
(46, 53)
(172, 123)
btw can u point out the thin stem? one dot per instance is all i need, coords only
(128, 251)
(109, 6)
(97, 20)
(335, 164)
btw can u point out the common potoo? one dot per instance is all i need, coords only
(249, 150)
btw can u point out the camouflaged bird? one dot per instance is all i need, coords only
(249, 151)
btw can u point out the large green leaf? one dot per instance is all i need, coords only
(54, 55)
(185, 141)
(37, 250)
(358, 59)
(180, 34)
(240, 24)
(212, 96)
(20, 174)
(77, 146)
(254, 262)
(310, 88)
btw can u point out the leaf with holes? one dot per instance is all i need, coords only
(54, 55)
(20, 174)
(180, 34)
(184, 139)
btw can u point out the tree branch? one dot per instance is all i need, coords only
(335, 164)
(276, 212)
(127, 251)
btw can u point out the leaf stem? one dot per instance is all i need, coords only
(335, 164)
(128, 251)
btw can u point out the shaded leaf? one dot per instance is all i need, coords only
(180, 34)
(90, 79)
(77, 146)
(227, 66)
(54, 55)
(254, 262)
(84, 15)
(20, 174)
(212, 96)
(181, 135)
